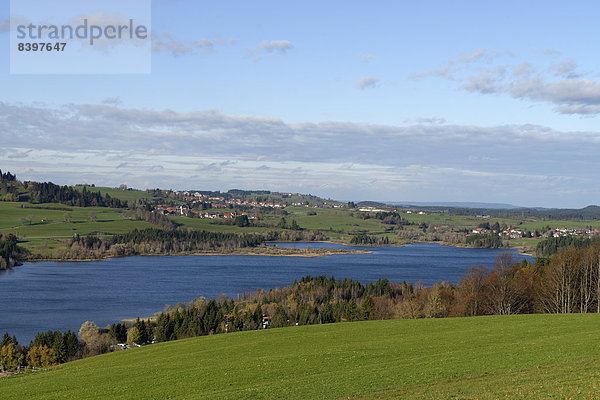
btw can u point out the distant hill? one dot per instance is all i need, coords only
(491, 206)
(371, 204)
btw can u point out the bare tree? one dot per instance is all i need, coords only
(470, 294)
(502, 298)
(560, 284)
(588, 279)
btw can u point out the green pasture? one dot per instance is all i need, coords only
(129, 195)
(526, 356)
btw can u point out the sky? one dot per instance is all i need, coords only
(429, 101)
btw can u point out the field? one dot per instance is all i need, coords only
(527, 356)
(129, 195)
(48, 227)
(44, 227)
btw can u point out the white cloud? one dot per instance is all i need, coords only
(20, 154)
(431, 120)
(271, 47)
(455, 65)
(565, 69)
(207, 149)
(276, 46)
(165, 42)
(114, 101)
(559, 83)
(103, 19)
(486, 82)
(367, 82)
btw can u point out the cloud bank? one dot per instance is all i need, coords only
(207, 149)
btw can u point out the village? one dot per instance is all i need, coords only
(514, 233)
(198, 204)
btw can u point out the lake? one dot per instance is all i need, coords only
(52, 295)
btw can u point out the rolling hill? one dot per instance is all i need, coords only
(527, 356)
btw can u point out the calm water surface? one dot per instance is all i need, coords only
(51, 295)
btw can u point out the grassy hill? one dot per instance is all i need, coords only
(129, 195)
(48, 228)
(535, 356)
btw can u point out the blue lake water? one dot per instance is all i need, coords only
(52, 295)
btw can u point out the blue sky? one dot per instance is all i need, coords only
(422, 101)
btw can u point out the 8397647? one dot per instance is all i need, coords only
(41, 46)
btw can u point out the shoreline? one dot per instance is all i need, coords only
(268, 251)
(273, 251)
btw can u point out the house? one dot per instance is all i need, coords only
(266, 321)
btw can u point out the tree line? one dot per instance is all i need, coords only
(7, 176)
(553, 245)
(586, 213)
(488, 240)
(47, 349)
(154, 241)
(48, 192)
(369, 240)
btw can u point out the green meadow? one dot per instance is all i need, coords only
(129, 195)
(526, 356)
(44, 229)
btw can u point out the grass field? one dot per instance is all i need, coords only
(535, 356)
(129, 195)
(48, 228)
(48, 225)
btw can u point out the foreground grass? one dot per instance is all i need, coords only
(540, 356)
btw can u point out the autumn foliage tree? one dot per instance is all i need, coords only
(41, 357)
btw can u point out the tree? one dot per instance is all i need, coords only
(59, 348)
(67, 217)
(242, 221)
(95, 342)
(133, 336)
(30, 219)
(366, 307)
(470, 295)
(434, 307)
(10, 357)
(502, 298)
(88, 331)
(280, 318)
(72, 344)
(294, 226)
(41, 357)
(6, 339)
(559, 283)
(143, 337)
(118, 332)
(588, 278)
(258, 314)
(92, 216)
(163, 329)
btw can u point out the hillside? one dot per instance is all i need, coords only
(529, 356)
